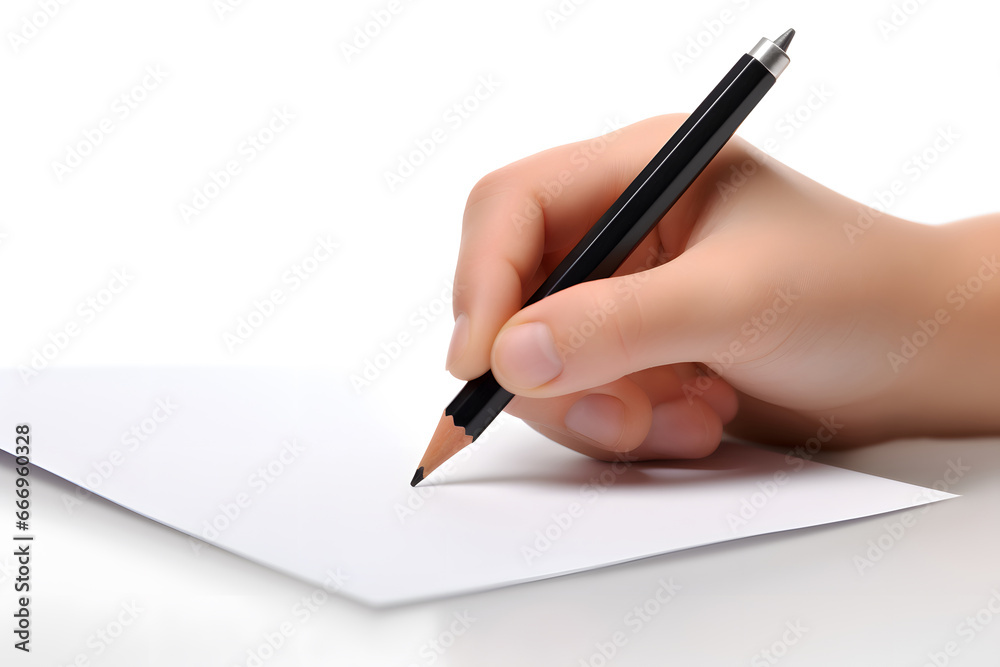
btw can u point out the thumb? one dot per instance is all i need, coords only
(596, 332)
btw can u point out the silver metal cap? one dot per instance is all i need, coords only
(770, 56)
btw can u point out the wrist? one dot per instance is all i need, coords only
(945, 354)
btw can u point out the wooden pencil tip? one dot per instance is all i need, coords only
(448, 440)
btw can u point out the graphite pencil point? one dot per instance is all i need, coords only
(448, 440)
(784, 39)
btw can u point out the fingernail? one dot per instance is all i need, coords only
(526, 355)
(598, 417)
(459, 340)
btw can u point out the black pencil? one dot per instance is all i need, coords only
(620, 230)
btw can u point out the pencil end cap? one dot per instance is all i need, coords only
(417, 476)
(784, 39)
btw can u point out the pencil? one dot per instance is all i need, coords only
(620, 230)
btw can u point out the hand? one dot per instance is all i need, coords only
(762, 301)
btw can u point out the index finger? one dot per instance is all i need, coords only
(522, 219)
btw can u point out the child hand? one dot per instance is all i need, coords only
(762, 301)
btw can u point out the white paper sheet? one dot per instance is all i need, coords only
(286, 469)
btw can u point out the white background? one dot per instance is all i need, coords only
(887, 91)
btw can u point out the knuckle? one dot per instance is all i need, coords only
(498, 182)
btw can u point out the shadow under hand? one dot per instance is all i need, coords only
(730, 461)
